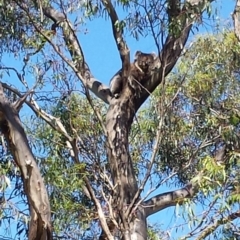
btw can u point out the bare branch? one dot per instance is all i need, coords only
(101, 215)
(78, 64)
(49, 119)
(207, 231)
(201, 219)
(55, 123)
(18, 104)
(155, 150)
(168, 199)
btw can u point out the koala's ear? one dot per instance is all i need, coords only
(154, 55)
(137, 53)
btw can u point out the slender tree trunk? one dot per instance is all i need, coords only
(34, 187)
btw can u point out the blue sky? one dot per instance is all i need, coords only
(102, 56)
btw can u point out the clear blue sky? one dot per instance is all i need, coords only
(102, 56)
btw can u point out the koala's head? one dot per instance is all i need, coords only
(144, 60)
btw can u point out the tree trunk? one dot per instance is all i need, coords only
(34, 187)
(138, 227)
(118, 123)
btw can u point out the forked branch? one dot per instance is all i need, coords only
(175, 41)
(77, 63)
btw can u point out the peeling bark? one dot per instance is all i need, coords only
(34, 187)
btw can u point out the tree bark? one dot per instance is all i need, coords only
(217, 223)
(168, 199)
(236, 19)
(118, 122)
(34, 187)
(138, 227)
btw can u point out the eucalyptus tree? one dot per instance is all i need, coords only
(42, 35)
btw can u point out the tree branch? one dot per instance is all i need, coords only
(117, 33)
(78, 64)
(174, 44)
(55, 123)
(236, 19)
(152, 160)
(207, 231)
(101, 215)
(169, 199)
(34, 187)
(76, 53)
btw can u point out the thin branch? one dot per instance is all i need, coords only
(110, 209)
(155, 150)
(101, 215)
(169, 199)
(173, 173)
(54, 122)
(77, 64)
(99, 117)
(207, 231)
(201, 219)
(201, 146)
(17, 73)
(117, 33)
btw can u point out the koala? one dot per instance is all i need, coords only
(143, 62)
(116, 84)
(139, 70)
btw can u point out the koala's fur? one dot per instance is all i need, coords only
(139, 70)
